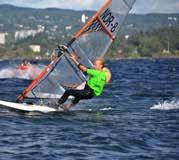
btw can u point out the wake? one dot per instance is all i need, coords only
(12, 72)
(166, 105)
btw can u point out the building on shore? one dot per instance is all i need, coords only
(84, 18)
(35, 48)
(3, 38)
(27, 33)
(68, 28)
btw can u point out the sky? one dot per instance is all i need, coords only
(141, 6)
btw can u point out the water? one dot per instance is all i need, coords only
(136, 118)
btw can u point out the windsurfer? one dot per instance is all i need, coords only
(93, 87)
(26, 69)
(24, 65)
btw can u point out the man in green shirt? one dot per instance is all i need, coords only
(94, 85)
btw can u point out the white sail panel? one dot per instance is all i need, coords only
(93, 45)
(97, 37)
(53, 84)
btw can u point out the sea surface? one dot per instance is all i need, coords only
(136, 118)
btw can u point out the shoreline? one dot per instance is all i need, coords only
(107, 58)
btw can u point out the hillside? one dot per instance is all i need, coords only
(54, 22)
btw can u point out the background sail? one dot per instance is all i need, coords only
(92, 41)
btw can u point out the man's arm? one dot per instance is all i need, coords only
(80, 66)
(71, 86)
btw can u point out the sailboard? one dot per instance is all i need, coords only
(90, 42)
(24, 107)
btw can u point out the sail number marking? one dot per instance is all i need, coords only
(109, 21)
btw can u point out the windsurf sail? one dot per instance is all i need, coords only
(91, 41)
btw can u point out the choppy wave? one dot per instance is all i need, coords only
(166, 105)
(116, 125)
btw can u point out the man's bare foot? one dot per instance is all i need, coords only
(68, 106)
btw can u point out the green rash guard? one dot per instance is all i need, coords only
(96, 81)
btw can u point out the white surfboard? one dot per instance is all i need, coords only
(28, 107)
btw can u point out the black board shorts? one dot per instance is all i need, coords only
(86, 93)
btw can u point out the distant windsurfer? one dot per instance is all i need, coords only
(24, 65)
(93, 87)
(25, 69)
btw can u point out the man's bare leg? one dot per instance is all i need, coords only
(68, 106)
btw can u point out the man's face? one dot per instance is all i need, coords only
(98, 65)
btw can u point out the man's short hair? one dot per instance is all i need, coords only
(102, 61)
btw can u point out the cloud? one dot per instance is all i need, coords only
(156, 6)
(141, 6)
(70, 4)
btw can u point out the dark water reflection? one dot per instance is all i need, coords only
(117, 125)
